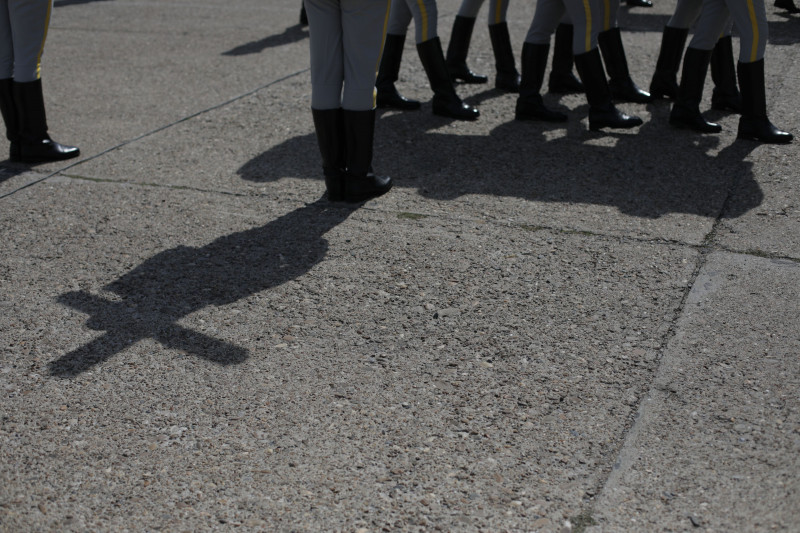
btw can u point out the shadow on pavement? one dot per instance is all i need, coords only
(65, 3)
(11, 171)
(290, 35)
(650, 173)
(150, 299)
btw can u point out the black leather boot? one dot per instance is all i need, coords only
(726, 95)
(458, 49)
(445, 100)
(562, 80)
(329, 126)
(530, 105)
(388, 73)
(303, 16)
(602, 112)
(9, 111)
(360, 183)
(639, 3)
(507, 77)
(665, 79)
(621, 84)
(35, 145)
(754, 124)
(685, 112)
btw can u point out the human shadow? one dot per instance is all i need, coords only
(650, 172)
(784, 32)
(149, 300)
(65, 3)
(292, 34)
(11, 171)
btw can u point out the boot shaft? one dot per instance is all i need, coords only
(610, 44)
(534, 63)
(359, 135)
(389, 69)
(460, 37)
(693, 78)
(29, 102)
(673, 41)
(562, 49)
(501, 46)
(329, 128)
(751, 85)
(9, 109)
(723, 70)
(432, 58)
(590, 70)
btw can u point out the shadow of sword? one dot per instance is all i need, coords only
(124, 327)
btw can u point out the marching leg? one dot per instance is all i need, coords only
(685, 112)
(754, 124)
(602, 112)
(665, 79)
(529, 103)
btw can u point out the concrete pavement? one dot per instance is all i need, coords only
(540, 328)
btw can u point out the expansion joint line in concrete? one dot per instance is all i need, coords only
(627, 451)
(157, 130)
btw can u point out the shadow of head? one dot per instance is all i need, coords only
(290, 35)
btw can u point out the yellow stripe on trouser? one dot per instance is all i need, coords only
(753, 22)
(424, 15)
(383, 42)
(587, 9)
(498, 12)
(44, 38)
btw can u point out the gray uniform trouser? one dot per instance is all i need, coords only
(750, 19)
(423, 12)
(23, 28)
(688, 11)
(346, 42)
(585, 17)
(497, 10)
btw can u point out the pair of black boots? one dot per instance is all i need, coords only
(22, 107)
(562, 80)
(753, 124)
(345, 141)
(664, 84)
(602, 112)
(445, 99)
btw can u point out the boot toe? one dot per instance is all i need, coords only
(46, 150)
(628, 91)
(456, 110)
(507, 82)
(536, 111)
(612, 118)
(394, 100)
(682, 118)
(463, 74)
(762, 130)
(564, 84)
(363, 188)
(664, 86)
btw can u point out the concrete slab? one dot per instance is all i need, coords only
(191, 340)
(770, 228)
(720, 426)
(247, 360)
(115, 70)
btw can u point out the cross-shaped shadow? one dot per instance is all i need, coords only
(150, 299)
